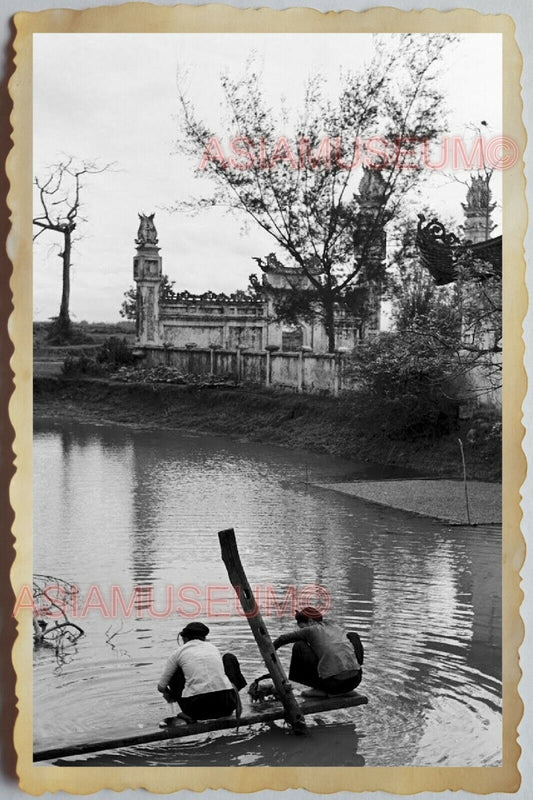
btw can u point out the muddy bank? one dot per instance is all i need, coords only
(322, 424)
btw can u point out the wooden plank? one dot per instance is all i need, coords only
(239, 581)
(275, 712)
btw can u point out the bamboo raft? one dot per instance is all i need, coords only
(194, 729)
(287, 708)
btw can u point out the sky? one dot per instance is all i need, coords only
(113, 98)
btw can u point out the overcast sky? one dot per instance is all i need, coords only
(113, 97)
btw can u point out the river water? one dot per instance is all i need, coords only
(124, 508)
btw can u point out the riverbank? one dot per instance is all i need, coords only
(322, 424)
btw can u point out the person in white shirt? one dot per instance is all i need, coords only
(204, 683)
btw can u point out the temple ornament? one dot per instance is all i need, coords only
(438, 250)
(478, 195)
(147, 233)
(442, 252)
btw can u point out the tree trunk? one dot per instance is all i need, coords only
(63, 320)
(329, 323)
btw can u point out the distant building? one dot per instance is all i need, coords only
(239, 319)
(440, 250)
(478, 209)
(441, 253)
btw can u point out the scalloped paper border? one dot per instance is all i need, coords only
(139, 18)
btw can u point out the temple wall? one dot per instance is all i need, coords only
(204, 327)
(253, 368)
(202, 335)
(303, 372)
(229, 332)
(224, 363)
(320, 371)
(284, 370)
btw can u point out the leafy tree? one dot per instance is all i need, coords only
(128, 309)
(254, 289)
(59, 203)
(462, 319)
(300, 301)
(302, 190)
(409, 387)
(481, 307)
(476, 339)
(415, 298)
(416, 375)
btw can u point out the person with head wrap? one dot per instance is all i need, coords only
(324, 657)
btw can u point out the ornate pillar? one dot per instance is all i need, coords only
(370, 231)
(478, 209)
(147, 273)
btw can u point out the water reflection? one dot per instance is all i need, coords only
(139, 510)
(328, 744)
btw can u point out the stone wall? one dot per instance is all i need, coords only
(252, 326)
(301, 372)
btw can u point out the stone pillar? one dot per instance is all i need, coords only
(267, 368)
(337, 375)
(270, 348)
(238, 361)
(147, 273)
(371, 198)
(478, 209)
(339, 370)
(300, 371)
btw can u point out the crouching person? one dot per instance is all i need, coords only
(324, 657)
(204, 683)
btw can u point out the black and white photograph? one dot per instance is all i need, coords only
(267, 399)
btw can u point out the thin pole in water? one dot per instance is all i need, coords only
(464, 481)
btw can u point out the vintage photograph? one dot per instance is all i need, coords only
(267, 353)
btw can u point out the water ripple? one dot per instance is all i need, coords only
(127, 508)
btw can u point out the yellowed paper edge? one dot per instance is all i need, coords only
(140, 18)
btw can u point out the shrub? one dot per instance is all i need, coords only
(409, 388)
(115, 353)
(80, 365)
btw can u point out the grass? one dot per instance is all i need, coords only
(89, 336)
(321, 424)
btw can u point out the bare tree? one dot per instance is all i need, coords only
(302, 189)
(59, 207)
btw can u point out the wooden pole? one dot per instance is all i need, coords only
(464, 481)
(239, 581)
(311, 706)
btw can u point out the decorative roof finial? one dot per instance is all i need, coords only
(147, 233)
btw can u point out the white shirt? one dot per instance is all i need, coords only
(202, 666)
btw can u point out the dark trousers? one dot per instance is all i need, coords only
(304, 669)
(210, 705)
